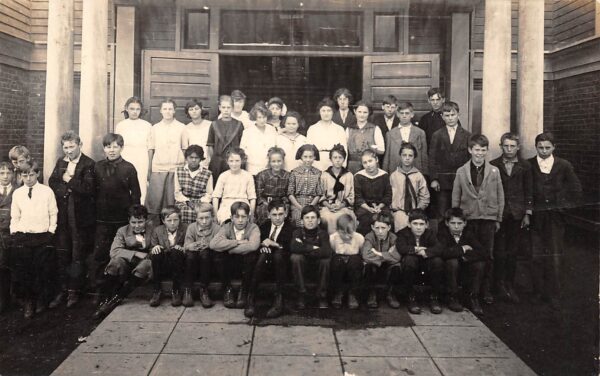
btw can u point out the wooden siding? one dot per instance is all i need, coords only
(157, 27)
(574, 20)
(15, 18)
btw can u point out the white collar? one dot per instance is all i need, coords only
(76, 160)
(547, 161)
(363, 172)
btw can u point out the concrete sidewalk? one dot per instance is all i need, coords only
(136, 339)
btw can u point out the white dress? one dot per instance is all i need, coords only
(198, 135)
(256, 144)
(136, 134)
(290, 146)
(324, 137)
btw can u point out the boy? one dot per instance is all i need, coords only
(33, 222)
(117, 189)
(73, 184)
(165, 154)
(19, 156)
(129, 264)
(406, 132)
(275, 235)
(388, 119)
(420, 251)
(517, 185)
(236, 239)
(7, 188)
(409, 187)
(555, 188)
(224, 134)
(167, 254)
(433, 120)
(461, 250)
(310, 244)
(449, 151)
(380, 256)
(478, 191)
(198, 253)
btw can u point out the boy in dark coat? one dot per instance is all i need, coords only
(7, 187)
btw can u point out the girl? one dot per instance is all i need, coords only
(338, 189)
(234, 185)
(346, 260)
(290, 140)
(271, 184)
(343, 116)
(362, 135)
(372, 191)
(258, 139)
(196, 131)
(193, 183)
(304, 187)
(136, 133)
(224, 135)
(276, 107)
(325, 133)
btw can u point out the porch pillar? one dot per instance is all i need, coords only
(93, 116)
(125, 58)
(459, 65)
(58, 110)
(495, 111)
(530, 74)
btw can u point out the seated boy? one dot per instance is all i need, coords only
(129, 264)
(236, 242)
(33, 222)
(461, 250)
(198, 254)
(478, 192)
(310, 244)
(167, 254)
(276, 235)
(380, 255)
(420, 251)
(7, 188)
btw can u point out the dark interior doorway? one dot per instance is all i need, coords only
(300, 81)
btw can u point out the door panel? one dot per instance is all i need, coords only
(180, 76)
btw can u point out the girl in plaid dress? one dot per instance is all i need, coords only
(193, 184)
(271, 184)
(305, 182)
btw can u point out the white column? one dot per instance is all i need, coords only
(495, 111)
(58, 112)
(530, 70)
(93, 101)
(459, 65)
(124, 59)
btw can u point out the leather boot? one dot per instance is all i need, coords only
(277, 308)
(205, 298)
(372, 300)
(323, 303)
(249, 310)
(454, 304)
(392, 301)
(72, 298)
(475, 306)
(188, 299)
(352, 301)
(107, 307)
(58, 299)
(175, 298)
(241, 298)
(434, 304)
(413, 305)
(228, 300)
(155, 300)
(337, 300)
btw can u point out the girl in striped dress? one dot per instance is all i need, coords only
(193, 184)
(271, 184)
(305, 182)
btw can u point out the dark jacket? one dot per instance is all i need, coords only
(379, 120)
(116, 190)
(311, 243)
(406, 242)
(446, 158)
(560, 189)
(5, 203)
(350, 119)
(81, 188)
(285, 235)
(430, 123)
(518, 187)
(161, 237)
(451, 249)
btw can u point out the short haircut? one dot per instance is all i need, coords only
(237, 95)
(449, 106)
(225, 98)
(194, 149)
(546, 136)
(338, 148)
(238, 151)
(109, 138)
(326, 102)
(193, 103)
(363, 104)
(416, 214)
(295, 115)
(435, 90)
(276, 204)
(343, 91)
(389, 99)
(129, 101)
(310, 209)
(408, 145)
(259, 108)
(7, 165)
(382, 217)
(275, 150)
(455, 212)
(18, 151)
(479, 139)
(275, 100)
(368, 152)
(137, 211)
(203, 207)
(406, 106)
(346, 223)
(510, 136)
(168, 100)
(239, 205)
(309, 147)
(70, 136)
(168, 210)
(30, 166)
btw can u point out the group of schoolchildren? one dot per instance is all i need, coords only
(351, 201)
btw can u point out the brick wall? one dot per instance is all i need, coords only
(14, 98)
